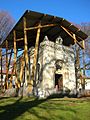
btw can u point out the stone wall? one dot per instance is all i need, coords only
(52, 52)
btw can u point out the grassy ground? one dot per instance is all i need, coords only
(49, 109)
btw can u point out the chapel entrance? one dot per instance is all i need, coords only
(59, 82)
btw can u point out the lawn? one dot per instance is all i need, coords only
(47, 109)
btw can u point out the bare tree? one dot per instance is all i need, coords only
(85, 56)
(86, 28)
(6, 23)
(82, 57)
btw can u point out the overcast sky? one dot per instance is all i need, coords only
(76, 11)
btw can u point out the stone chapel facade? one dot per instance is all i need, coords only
(55, 68)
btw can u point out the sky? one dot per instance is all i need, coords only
(76, 11)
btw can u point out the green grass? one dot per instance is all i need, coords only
(48, 109)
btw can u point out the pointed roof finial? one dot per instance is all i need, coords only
(45, 38)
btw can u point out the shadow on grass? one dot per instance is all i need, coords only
(12, 111)
(2, 98)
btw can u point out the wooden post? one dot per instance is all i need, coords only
(74, 36)
(35, 57)
(26, 50)
(15, 57)
(83, 80)
(76, 70)
(1, 67)
(11, 78)
(10, 84)
(83, 42)
(22, 68)
(6, 79)
(10, 58)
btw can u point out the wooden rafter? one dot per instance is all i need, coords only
(72, 36)
(41, 26)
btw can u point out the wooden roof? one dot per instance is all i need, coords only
(33, 18)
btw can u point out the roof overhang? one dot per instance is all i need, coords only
(32, 20)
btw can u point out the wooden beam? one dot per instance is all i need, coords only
(35, 56)
(6, 79)
(26, 49)
(20, 39)
(75, 40)
(40, 26)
